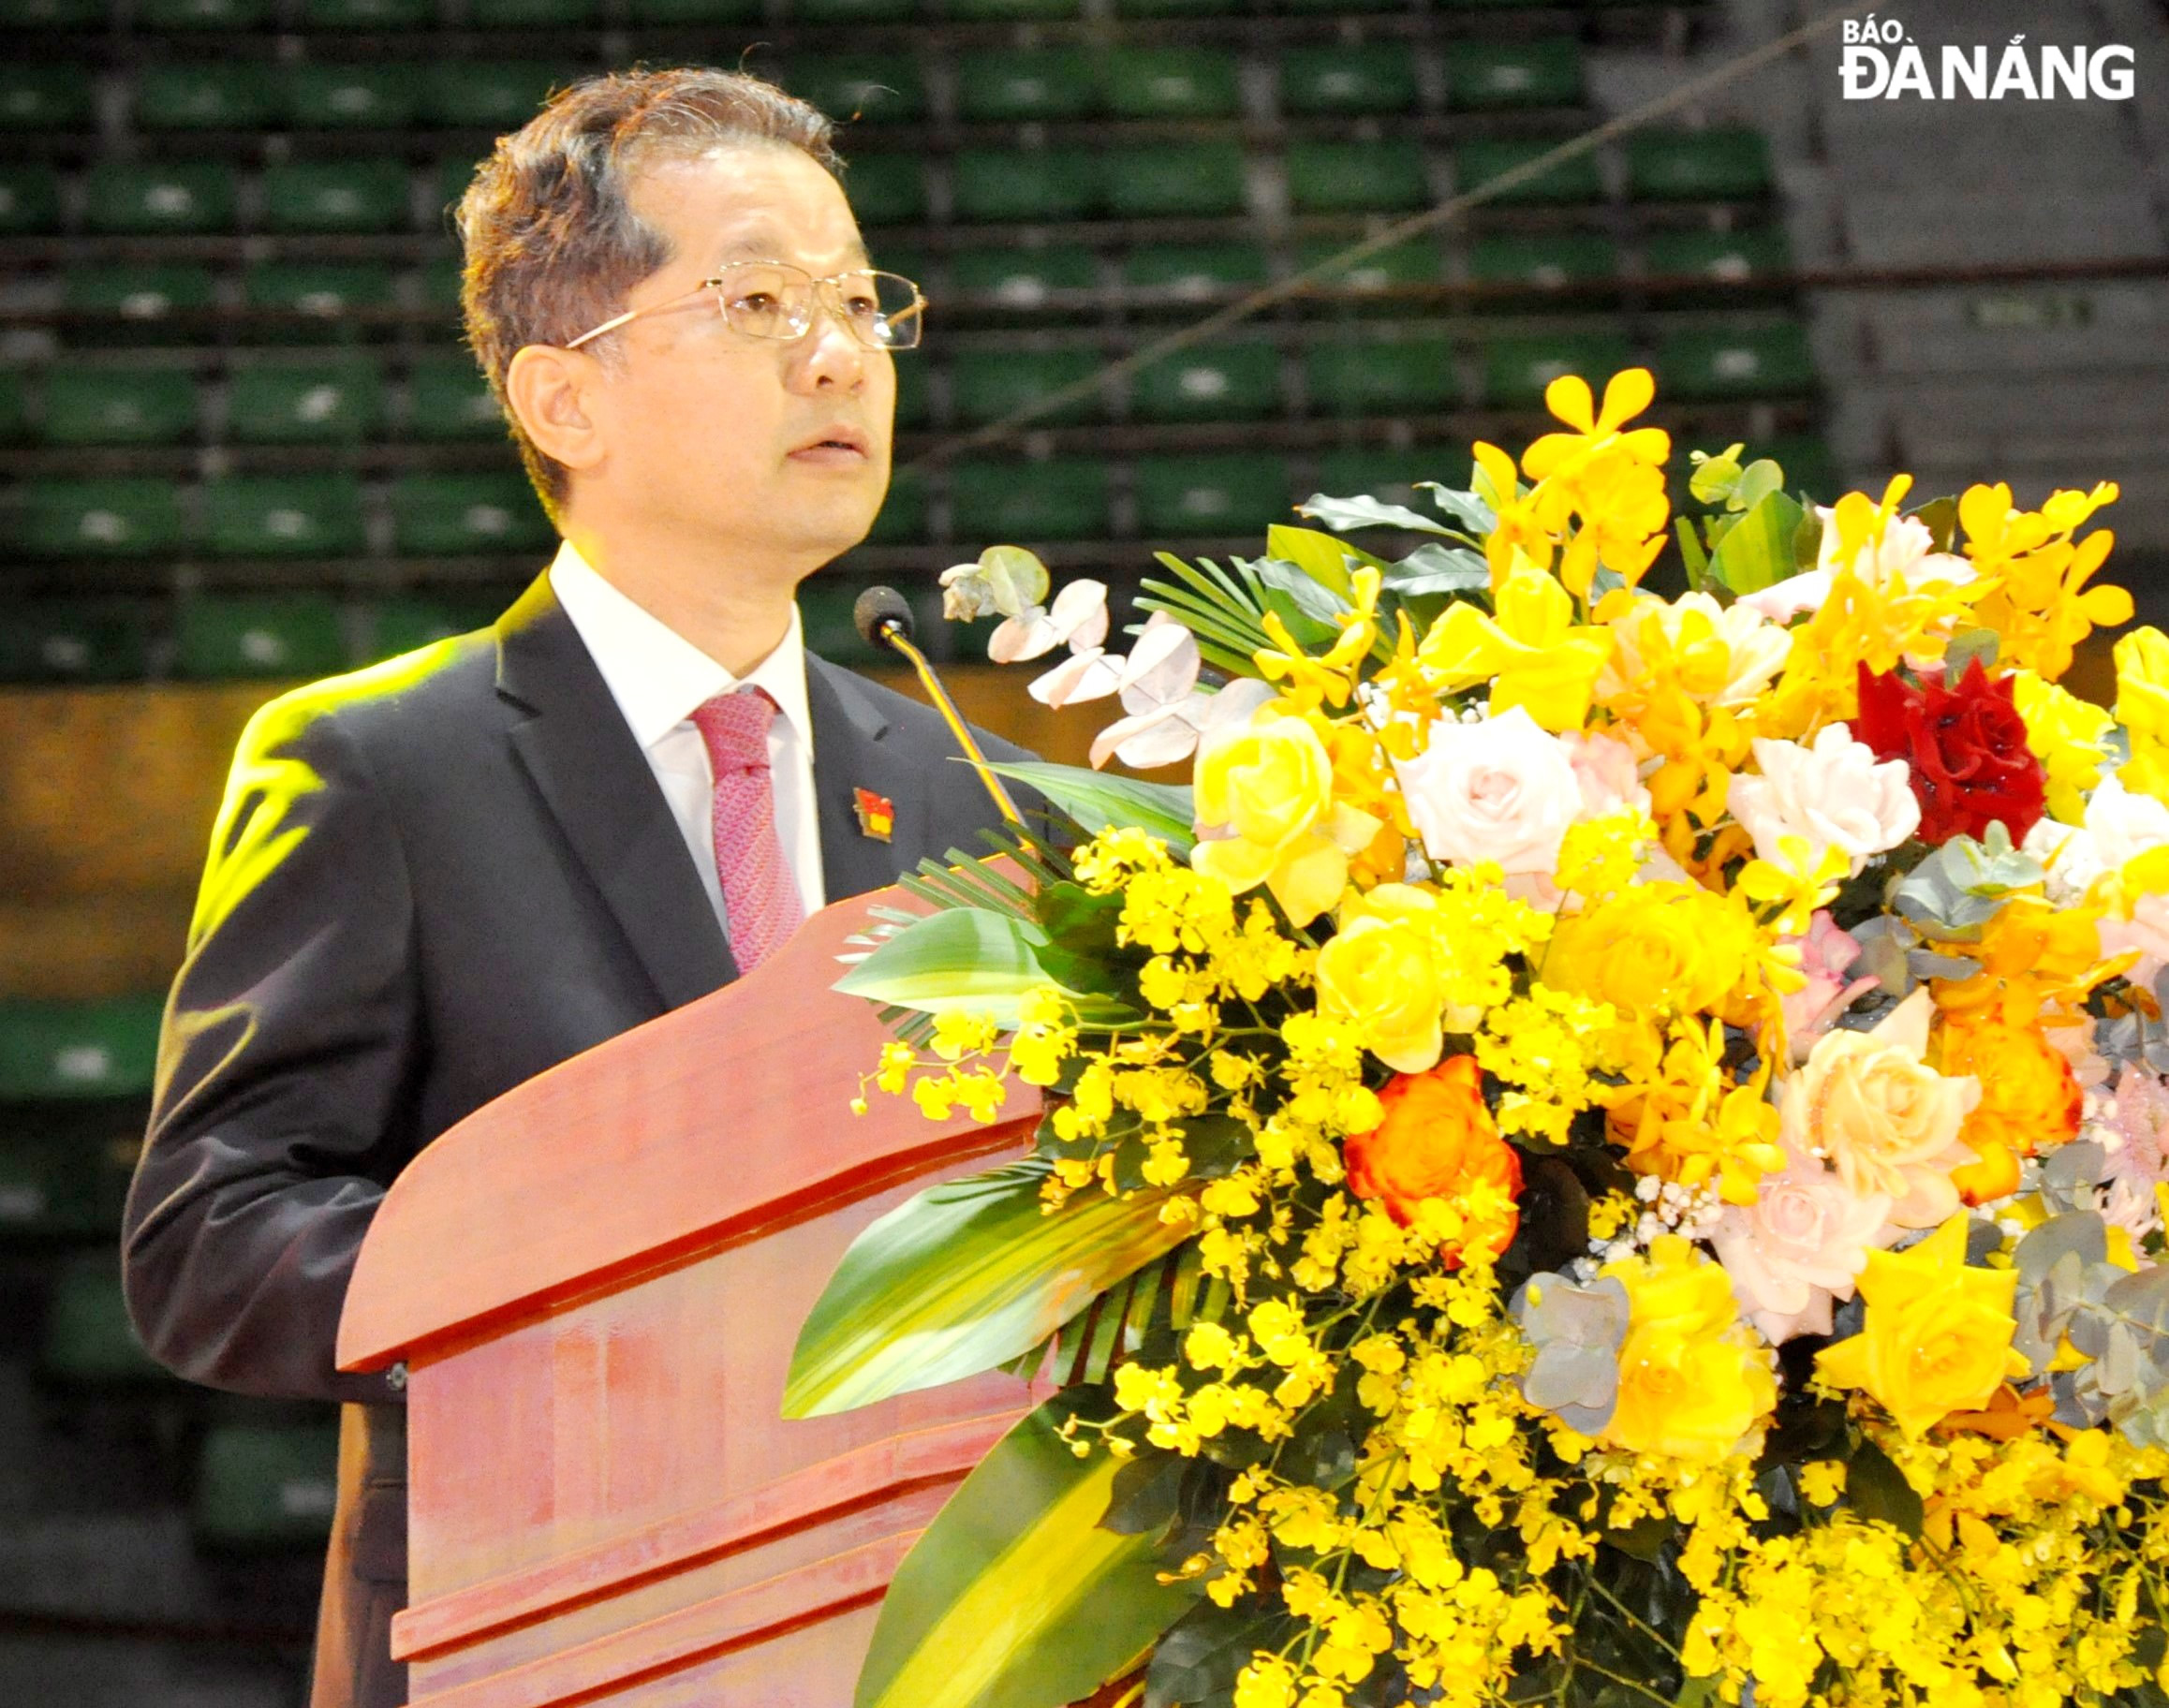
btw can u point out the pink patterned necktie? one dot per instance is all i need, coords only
(759, 893)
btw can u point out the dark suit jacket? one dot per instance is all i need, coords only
(428, 882)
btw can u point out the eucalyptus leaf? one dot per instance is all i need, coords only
(1016, 1596)
(1964, 884)
(961, 1278)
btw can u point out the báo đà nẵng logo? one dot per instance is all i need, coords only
(1881, 62)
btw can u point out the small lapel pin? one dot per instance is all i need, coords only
(876, 814)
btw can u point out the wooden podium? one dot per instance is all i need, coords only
(595, 1283)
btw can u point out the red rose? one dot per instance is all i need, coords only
(1965, 747)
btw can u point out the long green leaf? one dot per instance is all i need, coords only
(962, 1278)
(1015, 1597)
(1096, 801)
(971, 959)
(1757, 550)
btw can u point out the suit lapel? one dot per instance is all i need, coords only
(852, 750)
(597, 782)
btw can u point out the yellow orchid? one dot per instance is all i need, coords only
(2038, 600)
(1519, 534)
(1535, 654)
(2066, 733)
(1333, 677)
(1626, 394)
(2143, 708)
(1797, 884)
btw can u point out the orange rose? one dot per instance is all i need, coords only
(1438, 1139)
(2030, 1097)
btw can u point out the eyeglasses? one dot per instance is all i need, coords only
(884, 311)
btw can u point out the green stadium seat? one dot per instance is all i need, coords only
(205, 95)
(283, 516)
(487, 93)
(1023, 184)
(448, 184)
(407, 625)
(885, 190)
(319, 96)
(88, 1339)
(439, 285)
(86, 405)
(1199, 179)
(1026, 86)
(1416, 261)
(1727, 165)
(903, 516)
(1751, 256)
(463, 515)
(322, 297)
(14, 406)
(1521, 264)
(698, 12)
(1235, 381)
(873, 88)
(53, 14)
(1018, 503)
(1178, 8)
(1024, 278)
(142, 201)
(1356, 176)
(44, 640)
(123, 516)
(1008, 11)
(987, 385)
(264, 1489)
(1376, 79)
(1335, 5)
(533, 14)
(29, 198)
(48, 1182)
(1172, 83)
(70, 1050)
(1194, 272)
(233, 637)
(1200, 496)
(1570, 182)
(1517, 370)
(1720, 363)
(368, 14)
(339, 402)
(1389, 476)
(46, 97)
(1482, 76)
(446, 398)
(202, 14)
(1381, 376)
(143, 295)
(335, 196)
(1807, 464)
(845, 11)
(914, 393)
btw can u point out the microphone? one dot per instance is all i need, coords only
(883, 618)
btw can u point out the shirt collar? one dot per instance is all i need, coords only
(658, 676)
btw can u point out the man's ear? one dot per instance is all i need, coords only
(550, 392)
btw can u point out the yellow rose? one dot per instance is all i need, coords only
(1533, 652)
(1381, 974)
(1266, 815)
(1654, 949)
(1937, 1337)
(2143, 708)
(1887, 1121)
(1694, 1380)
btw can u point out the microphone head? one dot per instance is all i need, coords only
(881, 612)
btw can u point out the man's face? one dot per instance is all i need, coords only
(716, 435)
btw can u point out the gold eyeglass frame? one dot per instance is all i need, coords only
(825, 295)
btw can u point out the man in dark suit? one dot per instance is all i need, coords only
(435, 879)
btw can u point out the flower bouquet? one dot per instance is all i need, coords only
(1607, 1150)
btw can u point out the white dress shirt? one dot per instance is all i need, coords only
(658, 677)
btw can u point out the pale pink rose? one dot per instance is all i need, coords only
(2143, 930)
(1870, 1105)
(1782, 601)
(1825, 953)
(1605, 769)
(2134, 1128)
(1078, 616)
(2122, 825)
(1502, 789)
(1800, 1244)
(1833, 794)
